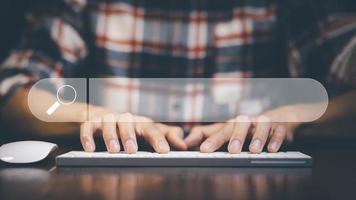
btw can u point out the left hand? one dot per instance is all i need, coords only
(263, 129)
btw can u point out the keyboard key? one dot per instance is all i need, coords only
(295, 154)
(261, 155)
(276, 155)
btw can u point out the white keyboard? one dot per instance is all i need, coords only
(185, 158)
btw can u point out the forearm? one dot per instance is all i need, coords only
(335, 122)
(18, 117)
(340, 107)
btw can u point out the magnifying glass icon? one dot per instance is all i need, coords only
(59, 102)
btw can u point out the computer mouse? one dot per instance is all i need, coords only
(26, 151)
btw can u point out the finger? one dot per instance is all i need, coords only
(290, 134)
(278, 136)
(155, 137)
(197, 134)
(96, 123)
(260, 136)
(86, 137)
(239, 133)
(194, 137)
(174, 136)
(127, 132)
(109, 133)
(216, 140)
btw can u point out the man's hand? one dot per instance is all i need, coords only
(127, 128)
(263, 130)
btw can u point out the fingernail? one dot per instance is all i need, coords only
(256, 145)
(163, 147)
(130, 145)
(89, 146)
(273, 146)
(234, 146)
(207, 146)
(114, 145)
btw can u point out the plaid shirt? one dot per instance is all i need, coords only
(177, 39)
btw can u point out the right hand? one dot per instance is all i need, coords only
(127, 128)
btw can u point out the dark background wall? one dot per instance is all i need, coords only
(12, 14)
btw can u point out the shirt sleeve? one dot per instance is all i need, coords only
(52, 46)
(317, 39)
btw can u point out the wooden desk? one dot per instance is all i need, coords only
(333, 176)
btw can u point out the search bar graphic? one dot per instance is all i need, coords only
(180, 99)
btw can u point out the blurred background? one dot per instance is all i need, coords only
(13, 20)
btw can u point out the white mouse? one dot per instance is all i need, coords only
(26, 151)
